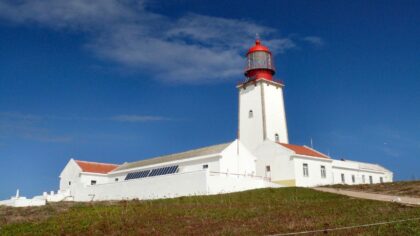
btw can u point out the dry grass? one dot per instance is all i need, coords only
(256, 212)
(403, 188)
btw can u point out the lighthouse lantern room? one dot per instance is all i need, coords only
(259, 62)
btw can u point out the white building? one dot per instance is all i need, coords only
(260, 157)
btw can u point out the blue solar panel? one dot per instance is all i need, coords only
(137, 175)
(155, 172)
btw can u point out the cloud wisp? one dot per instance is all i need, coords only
(38, 128)
(184, 50)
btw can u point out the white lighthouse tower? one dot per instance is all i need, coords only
(262, 114)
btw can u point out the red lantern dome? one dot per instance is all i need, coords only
(259, 62)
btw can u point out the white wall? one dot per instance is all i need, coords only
(86, 178)
(236, 158)
(275, 112)
(164, 186)
(250, 128)
(69, 177)
(278, 158)
(349, 169)
(265, 99)
(224, 183)
(314, 168)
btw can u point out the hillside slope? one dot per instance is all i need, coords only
(402, 188)
(264, 211)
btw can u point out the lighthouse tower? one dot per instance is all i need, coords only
(261, 106)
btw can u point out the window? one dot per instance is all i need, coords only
(92, 182)
(370, 179)
(69, 183)
(343, 180)
(116, 179)
(381, 179)
(353, 179)
(305, 170)
(267, 168)
(323, 172)
(276, 137)
(363, 179)
(206, 166)
(250, 114)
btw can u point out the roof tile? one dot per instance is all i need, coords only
(95, 167)
(303, 150)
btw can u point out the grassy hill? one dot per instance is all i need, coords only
(256, 212)
(402, 188)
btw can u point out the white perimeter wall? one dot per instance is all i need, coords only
(168, 186)
(223, 183)
(164, 186)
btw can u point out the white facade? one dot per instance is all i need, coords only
(261, 113)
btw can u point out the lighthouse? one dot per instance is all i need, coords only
(262, 113)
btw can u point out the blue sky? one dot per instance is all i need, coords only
(115, 81)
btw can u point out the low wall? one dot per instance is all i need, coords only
(227, 183)
(165, 186)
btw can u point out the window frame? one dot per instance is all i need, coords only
(323, 172)
(276, 137)
(343, 178)
(305, 167)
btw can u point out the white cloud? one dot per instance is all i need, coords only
(38, 128)
(191, 49)
(314, 40)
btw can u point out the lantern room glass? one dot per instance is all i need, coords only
(259, 60)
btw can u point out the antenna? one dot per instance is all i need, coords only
(312, 144)
(257, 36)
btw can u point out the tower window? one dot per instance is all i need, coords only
(116, 179)
(69, 183)
(363, 179)
(381, 180)
(343, 180)
(305, 170)
(267, 168)
(92, 182)
(206, 166)
(370, 179)
(276, 137)
(251, 114)
(353, 179)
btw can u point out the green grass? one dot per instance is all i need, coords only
(256, 212)
(402, 188)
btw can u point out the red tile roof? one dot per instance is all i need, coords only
(302, 150)
(95, 167)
